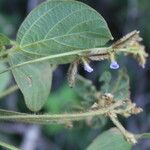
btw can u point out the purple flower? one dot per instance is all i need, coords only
(114, 65)
(87, 67)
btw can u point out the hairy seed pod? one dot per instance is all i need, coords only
(128, 40)
(72, 73)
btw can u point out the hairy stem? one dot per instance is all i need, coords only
(129, 136)
(9, 91)
(58, 118)
(7, 146)
(143, 136)
(77, 52)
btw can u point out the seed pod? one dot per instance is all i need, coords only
(72, 73)
(128, 40)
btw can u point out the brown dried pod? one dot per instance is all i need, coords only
(72, 73)
(127, 40)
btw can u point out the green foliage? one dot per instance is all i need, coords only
(52, 28)
(7, 23)
(66, 31)
(110, 140)
(3, 41)
(86, 90)
(118, 87)
(60, 26)
(34, 80)
(4, 78)
(60, 101)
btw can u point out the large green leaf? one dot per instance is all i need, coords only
(110, 140)
(119, 86)
(34, 80)
(61, 26)
(4, 78)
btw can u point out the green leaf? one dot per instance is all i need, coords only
(61, 100)
(119, 86)
(60, 26)
(4, 78)
(110, 140)
(4, 40)
(34, 80)
(58, 102)
(86, 90)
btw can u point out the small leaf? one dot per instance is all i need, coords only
(110, 140)
(106, 78)
(4, 40)
(34, 80)
(61, 26)
(119, 86)
(86, 90)
(4, 78)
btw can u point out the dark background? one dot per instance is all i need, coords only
(122, 17)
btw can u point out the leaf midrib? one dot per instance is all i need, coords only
(34, 43)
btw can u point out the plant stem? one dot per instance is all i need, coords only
(7, 146)
(129, 136)
(143, 136)
(77, 52)
(9, 91)
(58, 118)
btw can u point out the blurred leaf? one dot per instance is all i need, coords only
(4, 40)
(119, 86)
(4, 78)
(8, 23)
(110, 140)
(57, 27)
(86, 90)
(34, 80)
(106, 78)
(60, 100)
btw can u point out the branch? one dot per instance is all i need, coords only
(58, 118)
(9, 91)
(72, 53)
(129, 136)
(9, 147)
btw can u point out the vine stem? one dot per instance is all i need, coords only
(77, 52)
(9, 147)
(9, 91)
(58, 118)
(143, 136)
(129, 136)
